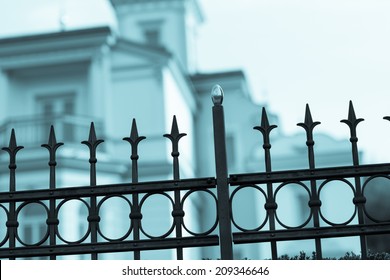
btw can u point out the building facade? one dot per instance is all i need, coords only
(139, 64)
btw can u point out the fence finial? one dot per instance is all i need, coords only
(175, 135)
(352, 121)
(217, 95)
(265, 128)
(134, 140)
(52, 144)
(12, 148)
(92, 142)
(308, 124)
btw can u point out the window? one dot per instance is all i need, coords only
(152, 37)
(56, 110)
(54, 105)
(152, 31)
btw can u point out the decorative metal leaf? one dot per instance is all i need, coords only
(92, 142)
(308, 124)
(13, 147)
(175, 135)
(134, 139)
(52, 144)
(352, 121)
(265, 128)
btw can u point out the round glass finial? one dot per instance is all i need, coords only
(217, 95)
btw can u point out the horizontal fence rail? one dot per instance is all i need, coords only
(225, 231)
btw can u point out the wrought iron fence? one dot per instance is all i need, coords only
(222, 188)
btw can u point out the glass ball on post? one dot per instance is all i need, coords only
(217, 95)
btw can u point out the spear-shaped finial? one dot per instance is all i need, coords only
(92, 142)
(175, 135)
(308, 124)
(265, 128)
(134, 139)
(52, 145)
(352, 121)
(12, 148)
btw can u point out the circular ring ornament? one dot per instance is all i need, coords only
(370, 216)
(305, 222)
(354, 194)
(19, 209)
(213, 227)
(170, 230)
(84, 237)
(234, 193)
(6, 236)
(127, 233)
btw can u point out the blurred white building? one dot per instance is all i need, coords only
(137, 62)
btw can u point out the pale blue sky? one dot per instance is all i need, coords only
(321, 52)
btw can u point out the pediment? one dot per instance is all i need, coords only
(127, 54)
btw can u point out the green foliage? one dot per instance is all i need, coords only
(348, 256)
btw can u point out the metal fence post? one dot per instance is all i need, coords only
(225, 230)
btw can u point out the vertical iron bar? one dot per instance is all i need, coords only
(93, 217)
(135, 214)
(52, 221)
(314, 202)
(177, 212)
(270, 205)
(12, 223)
(359, 199)
(223, 206)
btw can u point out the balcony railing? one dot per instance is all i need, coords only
(32, 131)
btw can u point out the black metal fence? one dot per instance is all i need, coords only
(222, 188)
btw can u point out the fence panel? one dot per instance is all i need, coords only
(222, 190)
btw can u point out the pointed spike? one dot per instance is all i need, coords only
(92, 142)
(308, 117)
(52, 137)
(351, 112)
(12, 140)
(13, 147)
(175, 135)
(352, 121)
(265, 127)
(308, 124)
(134, 138)
(134, 131)
(264, 118)
(175, 128)
(92, 133)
